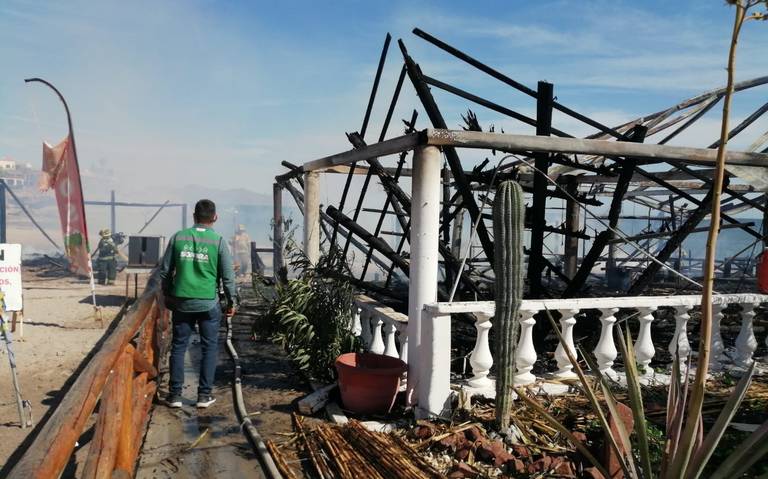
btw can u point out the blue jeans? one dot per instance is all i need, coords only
(183, 326)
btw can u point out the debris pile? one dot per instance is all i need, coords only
(351, 451)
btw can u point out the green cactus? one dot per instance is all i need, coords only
(508, 227)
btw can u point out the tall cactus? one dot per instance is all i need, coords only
(508, 227)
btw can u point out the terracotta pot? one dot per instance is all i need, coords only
(369, 382)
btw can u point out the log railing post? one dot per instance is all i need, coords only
(125, 438)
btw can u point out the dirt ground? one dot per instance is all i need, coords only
(58, 334)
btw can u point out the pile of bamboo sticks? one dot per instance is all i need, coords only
(351, 451)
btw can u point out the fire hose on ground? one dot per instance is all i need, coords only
(253, 436)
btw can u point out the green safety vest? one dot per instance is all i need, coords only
(196, 258)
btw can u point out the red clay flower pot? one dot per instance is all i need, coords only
(369, 382)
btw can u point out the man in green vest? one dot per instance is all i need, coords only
(196, 261)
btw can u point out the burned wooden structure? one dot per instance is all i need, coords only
(590, 181)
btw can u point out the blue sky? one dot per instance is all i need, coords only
(220, 92)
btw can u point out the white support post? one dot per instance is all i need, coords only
(390, 348)
(429, 370)
(377, 345)
(679, 341)
(481, 359)
(312, 216)
(605, 351)
(567, 322)
(526, 353)
(716, 345)
(403, 340)
(746, 343)
(644, 350)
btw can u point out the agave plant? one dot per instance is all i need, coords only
(635, 457)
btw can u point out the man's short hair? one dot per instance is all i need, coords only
(205, 211)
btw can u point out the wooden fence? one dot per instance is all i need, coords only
(122, 378)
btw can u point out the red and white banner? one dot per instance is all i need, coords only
(60, 172)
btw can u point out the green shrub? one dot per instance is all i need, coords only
(312, 316)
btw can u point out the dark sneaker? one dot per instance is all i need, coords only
(205, 400)
(173, 400)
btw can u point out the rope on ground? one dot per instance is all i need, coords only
(262, 452)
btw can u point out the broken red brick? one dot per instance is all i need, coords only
(462, 470)
(493, 452)
(612, 462)
(474, 434)
(521, 451)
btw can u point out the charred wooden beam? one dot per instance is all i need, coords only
(587, 263)
(298, 198)
(376, 243)
(363, 129)
(636, 135)
(398, 171)
(509, 81)
(369, 174)
(545, 98)
(646, 277)
(572, 214)
(486, 103)
(663, 234)
(462, 185)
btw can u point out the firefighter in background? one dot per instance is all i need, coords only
(106, 265)
(241, 245)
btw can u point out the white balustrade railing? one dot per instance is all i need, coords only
(385, 331)
(641, 309)
(382, 330)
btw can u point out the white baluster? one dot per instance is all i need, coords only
(481, 359)
(357, 329)
(403, 330)
(389, 331)
(644, 350)
(567, 322)
(746, 343)
(365, 326)
(605, 351)
(526, 353)
(377, 346)
(716, 345)
(679, 341)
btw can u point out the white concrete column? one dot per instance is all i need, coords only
(390, 348)
(644, 350)
(746, 343)
(525, 357)
(481, 359)
(430, 336)
(312, 216)
(567, 322)
(605, 351)
(679, 341)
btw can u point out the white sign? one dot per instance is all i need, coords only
(10, 275)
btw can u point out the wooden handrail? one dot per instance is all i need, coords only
(130, 394)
